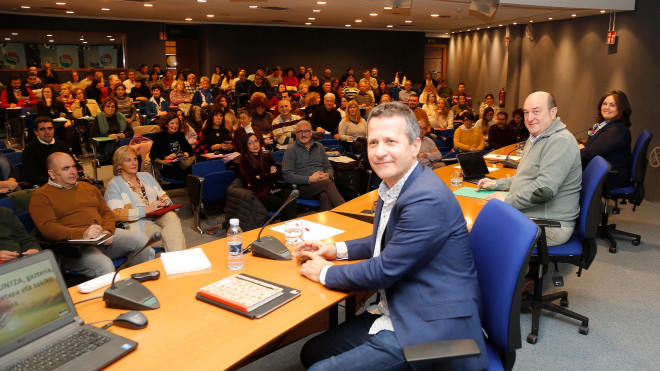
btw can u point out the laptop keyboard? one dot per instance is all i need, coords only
(60, 353)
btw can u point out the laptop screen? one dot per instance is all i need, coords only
(32, 301)
(472, 164)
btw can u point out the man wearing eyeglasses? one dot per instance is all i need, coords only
(306, 164)
(47, 75)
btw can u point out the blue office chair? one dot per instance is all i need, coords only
(331, 144)
(16, 159)
(278, 156)
(501, 239)
(634, 193)
(28, 126)
(580, 250)
(207, 182)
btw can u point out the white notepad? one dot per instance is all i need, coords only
(184, 261)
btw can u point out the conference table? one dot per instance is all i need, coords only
(185, 333)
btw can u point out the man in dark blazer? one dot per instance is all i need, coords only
(418, 257)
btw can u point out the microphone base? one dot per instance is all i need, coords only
(510, 164)
(130, 294)
(270, 248)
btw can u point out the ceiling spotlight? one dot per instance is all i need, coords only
(51, 41)
(84, 42)
(602, 11)
(112, 39)
(148, 4)
(373, 14)
(358, 20)
(201, 1)
(316, 10)
(308, 23)
(531, 21)
(105, 9)
(60, 3)
(390, 26)
(435, 15)
(573, 15)
(549, 18)
(311, 18)
(25, 7)
(49, 35)
(210, 15)
(81, 39)
(188, 19)
(348, 25)
(408, 21)
(253, 6)
(321, 2)
(387, 7)
(488, 27)
(500, 25)
(14, 33)
(7, 38)
(478, 28)
(109, 36)
(69, 12)
(515, 23)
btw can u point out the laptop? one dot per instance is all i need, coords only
(39, 324)
(473, 165)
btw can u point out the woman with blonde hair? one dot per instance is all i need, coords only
(431, 107)
(131, 195)
(353, 128)
(445, 118)
(428, 89)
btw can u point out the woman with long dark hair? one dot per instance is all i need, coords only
(262, 175)
(610, 137)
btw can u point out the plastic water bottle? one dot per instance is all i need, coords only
(235, 244)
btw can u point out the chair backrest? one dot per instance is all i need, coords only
(639, 156)
(215, 185)
(3, 145)
(207, 167)
(16, 158)
(502, 239)
(593, 178)
(278, 156)
(29, 123)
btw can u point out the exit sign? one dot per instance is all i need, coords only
(611, 38)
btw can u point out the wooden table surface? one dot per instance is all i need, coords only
(185, 333)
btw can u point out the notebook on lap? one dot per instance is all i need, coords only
(473, 165)
(40, 326)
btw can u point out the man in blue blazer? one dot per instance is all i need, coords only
(418, 257)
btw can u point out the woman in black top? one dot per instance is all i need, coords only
(382, 90)
(214, 136)
(171, 148)
(610, 137)
(261, 176)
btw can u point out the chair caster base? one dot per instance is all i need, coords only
(532, 339)
(563, 302)
(584, 329)
(613, 249)
(636, 241)
(197, 229)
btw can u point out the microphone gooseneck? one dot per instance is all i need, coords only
(153, 239)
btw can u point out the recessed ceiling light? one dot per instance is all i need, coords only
(348, 25)
(7, 38)
(435, 15)
(387, 7)
(373, 14)
(468, 29)
(51, 41)
(447, 33)
(602, 11)
(311, 18)
(390, 26)
(549, 18)
(321, 2)
(69, 12)
(84, 42)
(515, 22)
(253, 6)
(60, 3)
(308, 23)
(112, 39)
(25, 7)
(500, 25)
(188, 19)
(531, 21)
(81, 39)
(201, 1)
(14, 33)
(316, 10)
(148, 4)
(478, 28)
(210, 15)
(408, 21)
(358, 20)
(109, 36)
(573, 15)
(105, 9)
(488, 27)
(49, 35)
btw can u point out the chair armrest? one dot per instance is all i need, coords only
(545, 223)
(442, 351)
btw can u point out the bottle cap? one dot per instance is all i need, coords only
(234, 222)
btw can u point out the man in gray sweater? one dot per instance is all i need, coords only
(306, 164)
(549, 178)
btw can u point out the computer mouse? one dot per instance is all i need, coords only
(134, 320)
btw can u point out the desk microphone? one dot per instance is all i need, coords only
(508, 163)
(269, 247)
(129, 293)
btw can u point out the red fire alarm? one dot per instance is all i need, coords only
(611, 38)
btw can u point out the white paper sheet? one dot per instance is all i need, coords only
(312, 231)
(189, 260)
